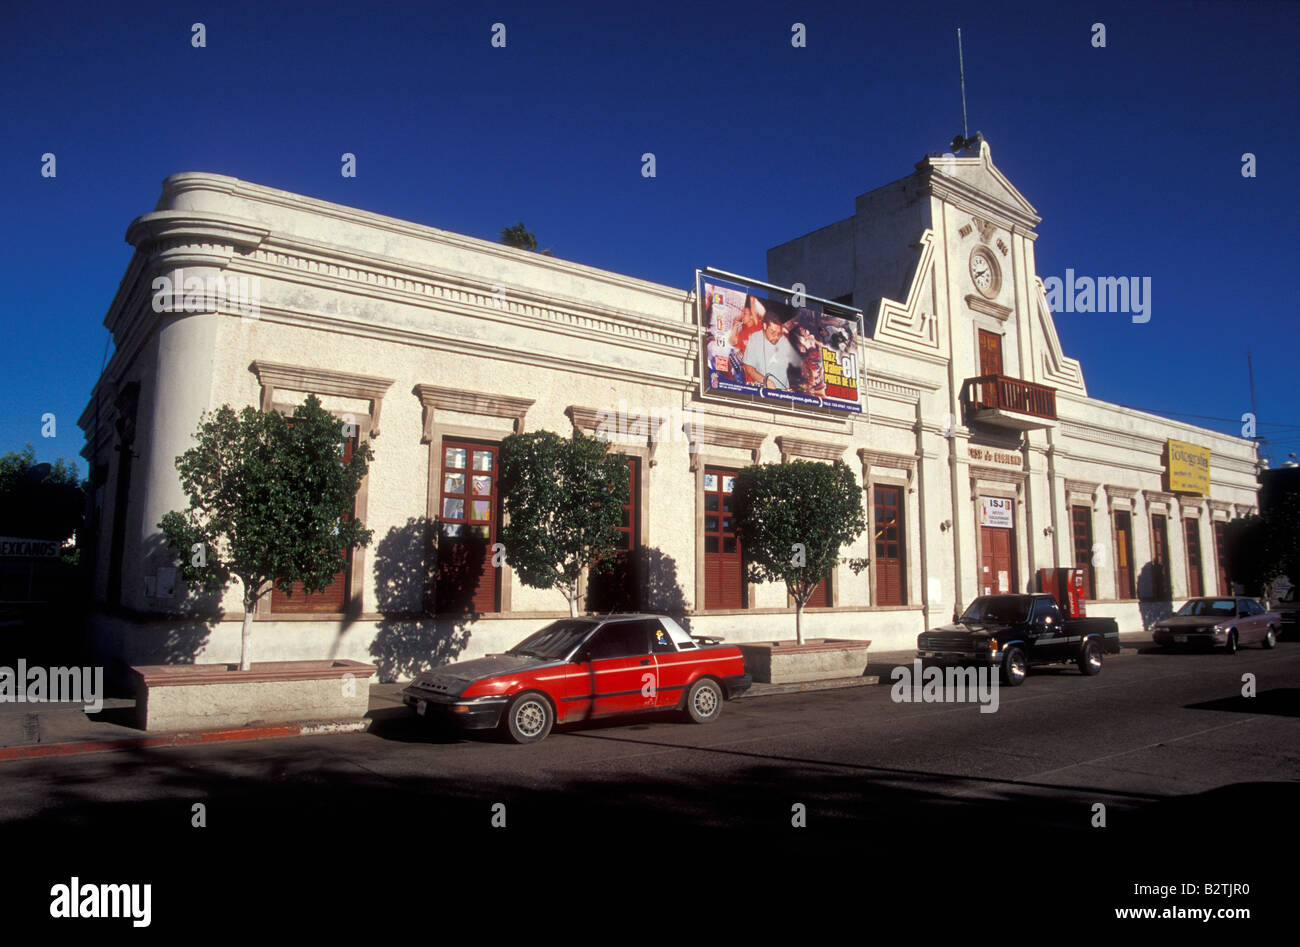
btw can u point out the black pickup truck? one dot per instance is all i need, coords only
(1012, 632)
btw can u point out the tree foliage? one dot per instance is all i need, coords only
(270, 501)
(793, 519)
(1262, 547)
(39, 501)
(521, 238)
(563, 502)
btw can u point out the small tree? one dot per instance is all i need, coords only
(270, 502)
(792, 520)
(563, 502)
(521, 238)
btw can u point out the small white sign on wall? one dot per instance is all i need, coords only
(995, 511)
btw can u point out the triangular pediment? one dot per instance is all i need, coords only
(974, 181)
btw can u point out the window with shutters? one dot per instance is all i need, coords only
(1192, 531)
(1123, 554)
(1160, 556)
(468, 520)
(1221, 556)
(333, 599)
(1081, 531)
(617, 590)
(724, 572)
(891, 578)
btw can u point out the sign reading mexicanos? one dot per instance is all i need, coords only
(1189, 468)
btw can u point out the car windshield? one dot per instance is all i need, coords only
(556, 640)
(998, 610)
(1208, 607)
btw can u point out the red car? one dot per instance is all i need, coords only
(580, 668)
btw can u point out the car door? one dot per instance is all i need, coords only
(613, 672)
(674, 667)
(1047, 632)
(1251, 622)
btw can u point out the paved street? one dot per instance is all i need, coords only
(1191, 774)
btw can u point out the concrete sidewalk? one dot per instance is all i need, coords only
(60, 729)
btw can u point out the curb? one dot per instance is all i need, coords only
(180, 739)
(796, 687)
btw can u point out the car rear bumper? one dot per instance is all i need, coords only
(483, 713)
(737, 684)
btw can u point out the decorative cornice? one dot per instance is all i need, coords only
(1082, 486)
(1120, 493)
(1191, 506)
(433, 397)
(1158, 496)
(183, 238)
(879, 458)
(698, 434)
(989, 308)
(996, 475)
(642, 430)
(274, 376)
(1243, 509)
(817, 450)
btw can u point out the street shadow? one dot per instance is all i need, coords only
(426, 610)
(1279, 702)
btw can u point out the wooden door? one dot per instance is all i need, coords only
(990, 353)
(1123, 554)
(724, 578)
(998, 566)
(888, 532)
(1221, 557)
(468, 520)
(333, 599)
(1192, 531)
(1081, 530)
(1160, 556)
(617, 589)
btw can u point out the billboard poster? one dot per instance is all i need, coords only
(1189, 468)
(764, 347)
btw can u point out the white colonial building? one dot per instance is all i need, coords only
(981, 456)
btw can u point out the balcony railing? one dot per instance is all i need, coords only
(1002, 393)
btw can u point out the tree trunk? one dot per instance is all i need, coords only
(798, 622)
(246, 634)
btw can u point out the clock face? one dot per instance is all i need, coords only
(984, 272)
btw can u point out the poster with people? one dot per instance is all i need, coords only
(764, 347)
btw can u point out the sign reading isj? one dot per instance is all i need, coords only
(996, 512)
(1189, 468)
(788, 350)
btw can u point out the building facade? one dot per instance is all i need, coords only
(980, 454)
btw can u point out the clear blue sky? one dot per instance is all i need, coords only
(1131, 153)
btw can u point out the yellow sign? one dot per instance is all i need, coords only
(1189, 468)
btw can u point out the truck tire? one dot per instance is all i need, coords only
(1015, 666)
(1090, 658)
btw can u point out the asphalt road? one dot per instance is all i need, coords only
(918, 804)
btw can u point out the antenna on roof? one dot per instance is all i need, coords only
(961, 67)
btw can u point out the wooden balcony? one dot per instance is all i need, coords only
(1009, 402)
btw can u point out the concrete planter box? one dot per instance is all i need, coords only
(219, 696)
(817, 659)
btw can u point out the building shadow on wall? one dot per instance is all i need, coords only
(644, 579)
(425, 590)
(1154, 602)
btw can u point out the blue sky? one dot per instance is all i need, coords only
(1132, 154)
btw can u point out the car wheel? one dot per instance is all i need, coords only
(1015, 666)
(704, 700)
(529, 718)
(1270, 637)
(1231, 646)
(1090, 658)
